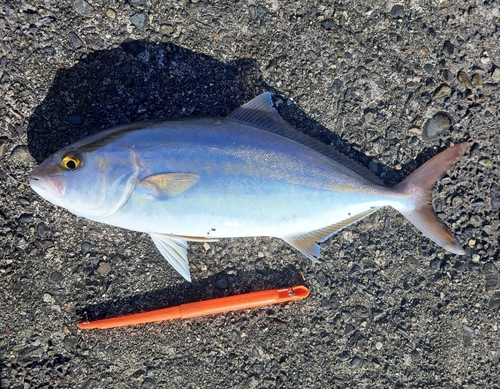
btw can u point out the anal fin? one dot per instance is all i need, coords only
(195, 238)
(307, 243)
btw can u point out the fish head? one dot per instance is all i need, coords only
(90, 183)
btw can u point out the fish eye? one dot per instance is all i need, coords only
(71, 162)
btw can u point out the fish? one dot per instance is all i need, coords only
(248, 174)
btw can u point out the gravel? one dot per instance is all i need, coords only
(437, 125)
(388, 84)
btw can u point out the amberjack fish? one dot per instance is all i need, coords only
(248, 174)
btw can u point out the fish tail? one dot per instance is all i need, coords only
(418, 186)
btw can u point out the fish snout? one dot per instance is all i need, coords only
(43, 184)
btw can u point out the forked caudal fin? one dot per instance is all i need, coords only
(419, 185)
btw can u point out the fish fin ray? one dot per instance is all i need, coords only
(261, 113)
(328, 232)
(169, 184)
(419, 186)
(175, 252)
(307, 243)
(195, 238)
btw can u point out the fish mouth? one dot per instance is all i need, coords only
(53, 185)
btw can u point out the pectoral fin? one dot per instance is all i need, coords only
(175, 252)
(307, 243)
(169, 184)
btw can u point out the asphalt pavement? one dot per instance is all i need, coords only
(388, 84)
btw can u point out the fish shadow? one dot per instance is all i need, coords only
(218, 285)
(140, 80)
(134, 82)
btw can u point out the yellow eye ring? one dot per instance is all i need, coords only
(71, 162)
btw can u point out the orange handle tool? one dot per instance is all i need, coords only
(203, 308)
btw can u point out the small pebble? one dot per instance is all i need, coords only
(56, 276)
(23, 201)
(260, 254)
(83, 8)
(495, 301)
(40, 229)
(491, 275)
(104, 268)
(148, 383)
(477, 80)
(328, 24)
(85, 247)
(21, 243)
(47, 298)
(166, 29)
(446, 75)
(428, 68)
(356, 362)
(464, 79)
(46, 243)
(321, 276)
(496, 74)
(436, 125)
(206, 246)
(443, 90)
(486, 162)
(449, 47)
(485, 59)
(75, 40)
(378, 345)
(138, 20)
(111, 14)
(471, 242)
(21, 154)
(3, 146)
(344, 356)
(415, 131)
(336, 86)
(25, 217)
(397, 10)
(495, 197)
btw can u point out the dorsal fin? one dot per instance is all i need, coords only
(260, 112)
(307, 243)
